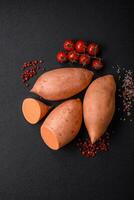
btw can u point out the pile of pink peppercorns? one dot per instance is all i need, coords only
(30, 69)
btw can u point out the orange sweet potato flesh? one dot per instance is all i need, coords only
(34, 110)
(62, 124)
(62, 83)
(99, 106)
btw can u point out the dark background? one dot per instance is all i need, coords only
(28, 169)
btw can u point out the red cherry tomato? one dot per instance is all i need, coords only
(73, 56)
(93, 49)
(84, 59)
(97, 64)
(80, 46)
(61, 57)
(69, 45)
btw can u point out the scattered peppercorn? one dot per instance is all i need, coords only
(30, 69)
(88, 149)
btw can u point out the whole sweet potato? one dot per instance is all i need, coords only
(62, 124)
(99, 106)
(62, 83)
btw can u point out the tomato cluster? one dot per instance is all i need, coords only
(82, 53)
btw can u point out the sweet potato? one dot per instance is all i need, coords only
(99, 106)
(62, 83)
(34, 110)
(62, 124)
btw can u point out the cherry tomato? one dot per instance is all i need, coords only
(61, 57)
(85, 59)
(73, 56)
(80, 46)
(69, 45)
(93, 49)
(97, 64)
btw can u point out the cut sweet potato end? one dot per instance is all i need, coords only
(31, 110)
(49, 138)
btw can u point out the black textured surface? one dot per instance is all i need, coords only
(28, 169)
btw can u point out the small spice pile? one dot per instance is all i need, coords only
(88, 149)
(30, 70)
(126, 91)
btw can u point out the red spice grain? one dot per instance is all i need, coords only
(88, 149)
(30, 69)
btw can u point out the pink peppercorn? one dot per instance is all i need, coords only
(33, 67)
(88, 149)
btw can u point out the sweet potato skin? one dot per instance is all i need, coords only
(63, 122)
(62, 83)
(99, 106)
